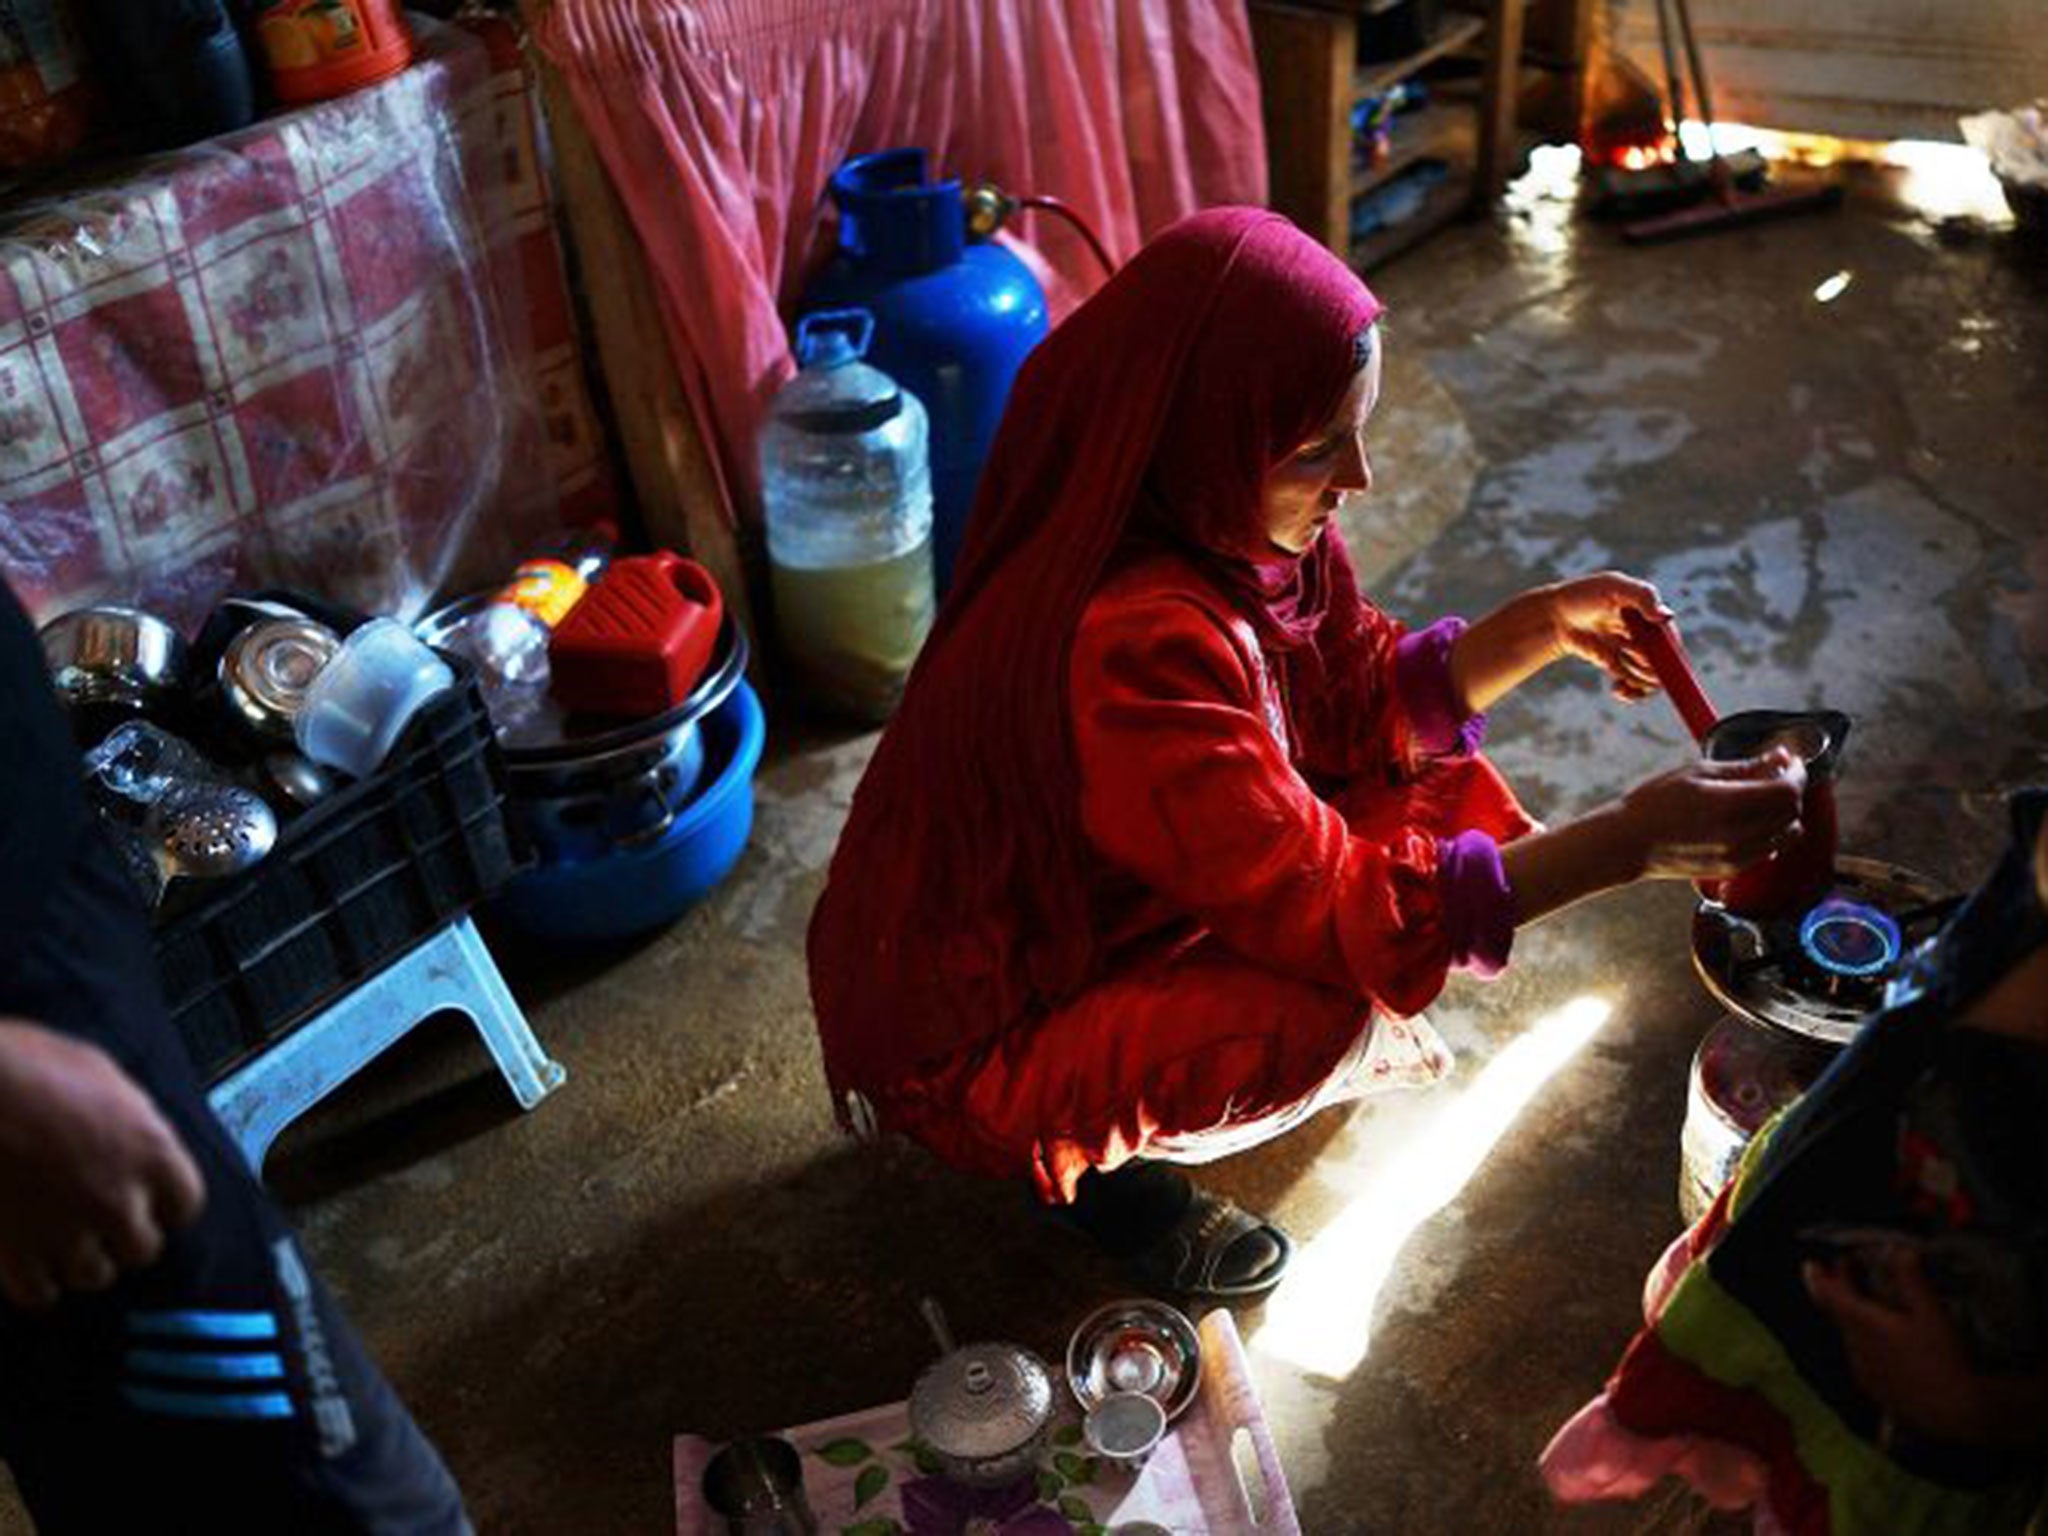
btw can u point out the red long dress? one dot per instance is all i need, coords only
(1151, 837)
(1249, 926)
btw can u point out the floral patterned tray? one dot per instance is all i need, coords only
(1215, 1474)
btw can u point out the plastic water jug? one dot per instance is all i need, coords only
(846, 480)
(954, 317)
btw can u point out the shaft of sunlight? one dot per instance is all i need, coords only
(1320, 1319)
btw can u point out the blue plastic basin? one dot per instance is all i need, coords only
(627, 891)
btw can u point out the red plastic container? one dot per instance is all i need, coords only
(639, 640)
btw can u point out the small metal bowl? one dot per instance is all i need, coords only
(113, 655)
(1139, 1345)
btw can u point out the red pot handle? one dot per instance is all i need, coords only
(1659, 641)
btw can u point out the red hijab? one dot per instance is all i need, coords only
(957, 900)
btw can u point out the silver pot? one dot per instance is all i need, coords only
(108, 654)
(983, 1410)
(584, 794)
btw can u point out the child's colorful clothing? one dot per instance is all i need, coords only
(1929, 1130)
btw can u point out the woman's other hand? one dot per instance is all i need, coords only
(1586, 615)
(1905, 1353)
(92, 1177)
(1581, 618)
(1707, 820)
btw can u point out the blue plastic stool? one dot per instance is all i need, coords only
(452, 970)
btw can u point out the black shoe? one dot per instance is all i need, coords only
(1178, 1237)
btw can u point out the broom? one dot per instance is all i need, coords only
(1730, 205)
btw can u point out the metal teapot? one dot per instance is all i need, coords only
(983, 1410)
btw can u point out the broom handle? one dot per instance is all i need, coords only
(1673, 82)
(1658, 639)
(1699, 74)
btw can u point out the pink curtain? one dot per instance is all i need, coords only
(720, 121)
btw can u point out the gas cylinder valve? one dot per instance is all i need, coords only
(988, 208)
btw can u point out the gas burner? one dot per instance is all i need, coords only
(1821, 973)
(1849, 938)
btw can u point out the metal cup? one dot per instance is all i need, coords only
(757, 1487)
(1125, 1427)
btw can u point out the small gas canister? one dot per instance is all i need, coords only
(637, 643)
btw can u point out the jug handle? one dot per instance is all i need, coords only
(857, 323)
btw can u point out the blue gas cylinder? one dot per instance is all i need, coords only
(954, 318)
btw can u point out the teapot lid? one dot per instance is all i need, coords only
(981, 1401)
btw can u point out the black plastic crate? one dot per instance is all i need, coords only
(353, 884)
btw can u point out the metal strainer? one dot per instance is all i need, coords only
(209, 831)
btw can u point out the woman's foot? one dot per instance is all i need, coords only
(1176, 1236)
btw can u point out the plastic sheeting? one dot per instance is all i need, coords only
(721, 120)
(331, 351)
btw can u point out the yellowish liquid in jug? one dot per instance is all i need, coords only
(852, 632)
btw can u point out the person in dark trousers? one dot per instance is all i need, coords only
(168, 1362)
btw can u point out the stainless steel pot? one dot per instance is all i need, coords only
(110, 655)
(581, 794)
(983, 1410)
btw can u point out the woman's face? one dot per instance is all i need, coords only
(1302, 492)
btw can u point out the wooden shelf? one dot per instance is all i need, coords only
(1439, 131)
(1446, 201)
(1310, 81)
(1456, 31)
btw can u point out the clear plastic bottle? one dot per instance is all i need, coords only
(846, 480)
(507, 638)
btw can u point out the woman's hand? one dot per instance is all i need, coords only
(1579, 618)
(91, 1175)
(1707, 820)
(1702, 820)
(1906, 1355)
(1587, 615)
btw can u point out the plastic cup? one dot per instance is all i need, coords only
(359, 704)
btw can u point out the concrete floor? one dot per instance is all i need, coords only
(1843, 500)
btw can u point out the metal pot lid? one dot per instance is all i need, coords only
(982, 1401)
(559, 741)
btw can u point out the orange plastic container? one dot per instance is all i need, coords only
(322, 48)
